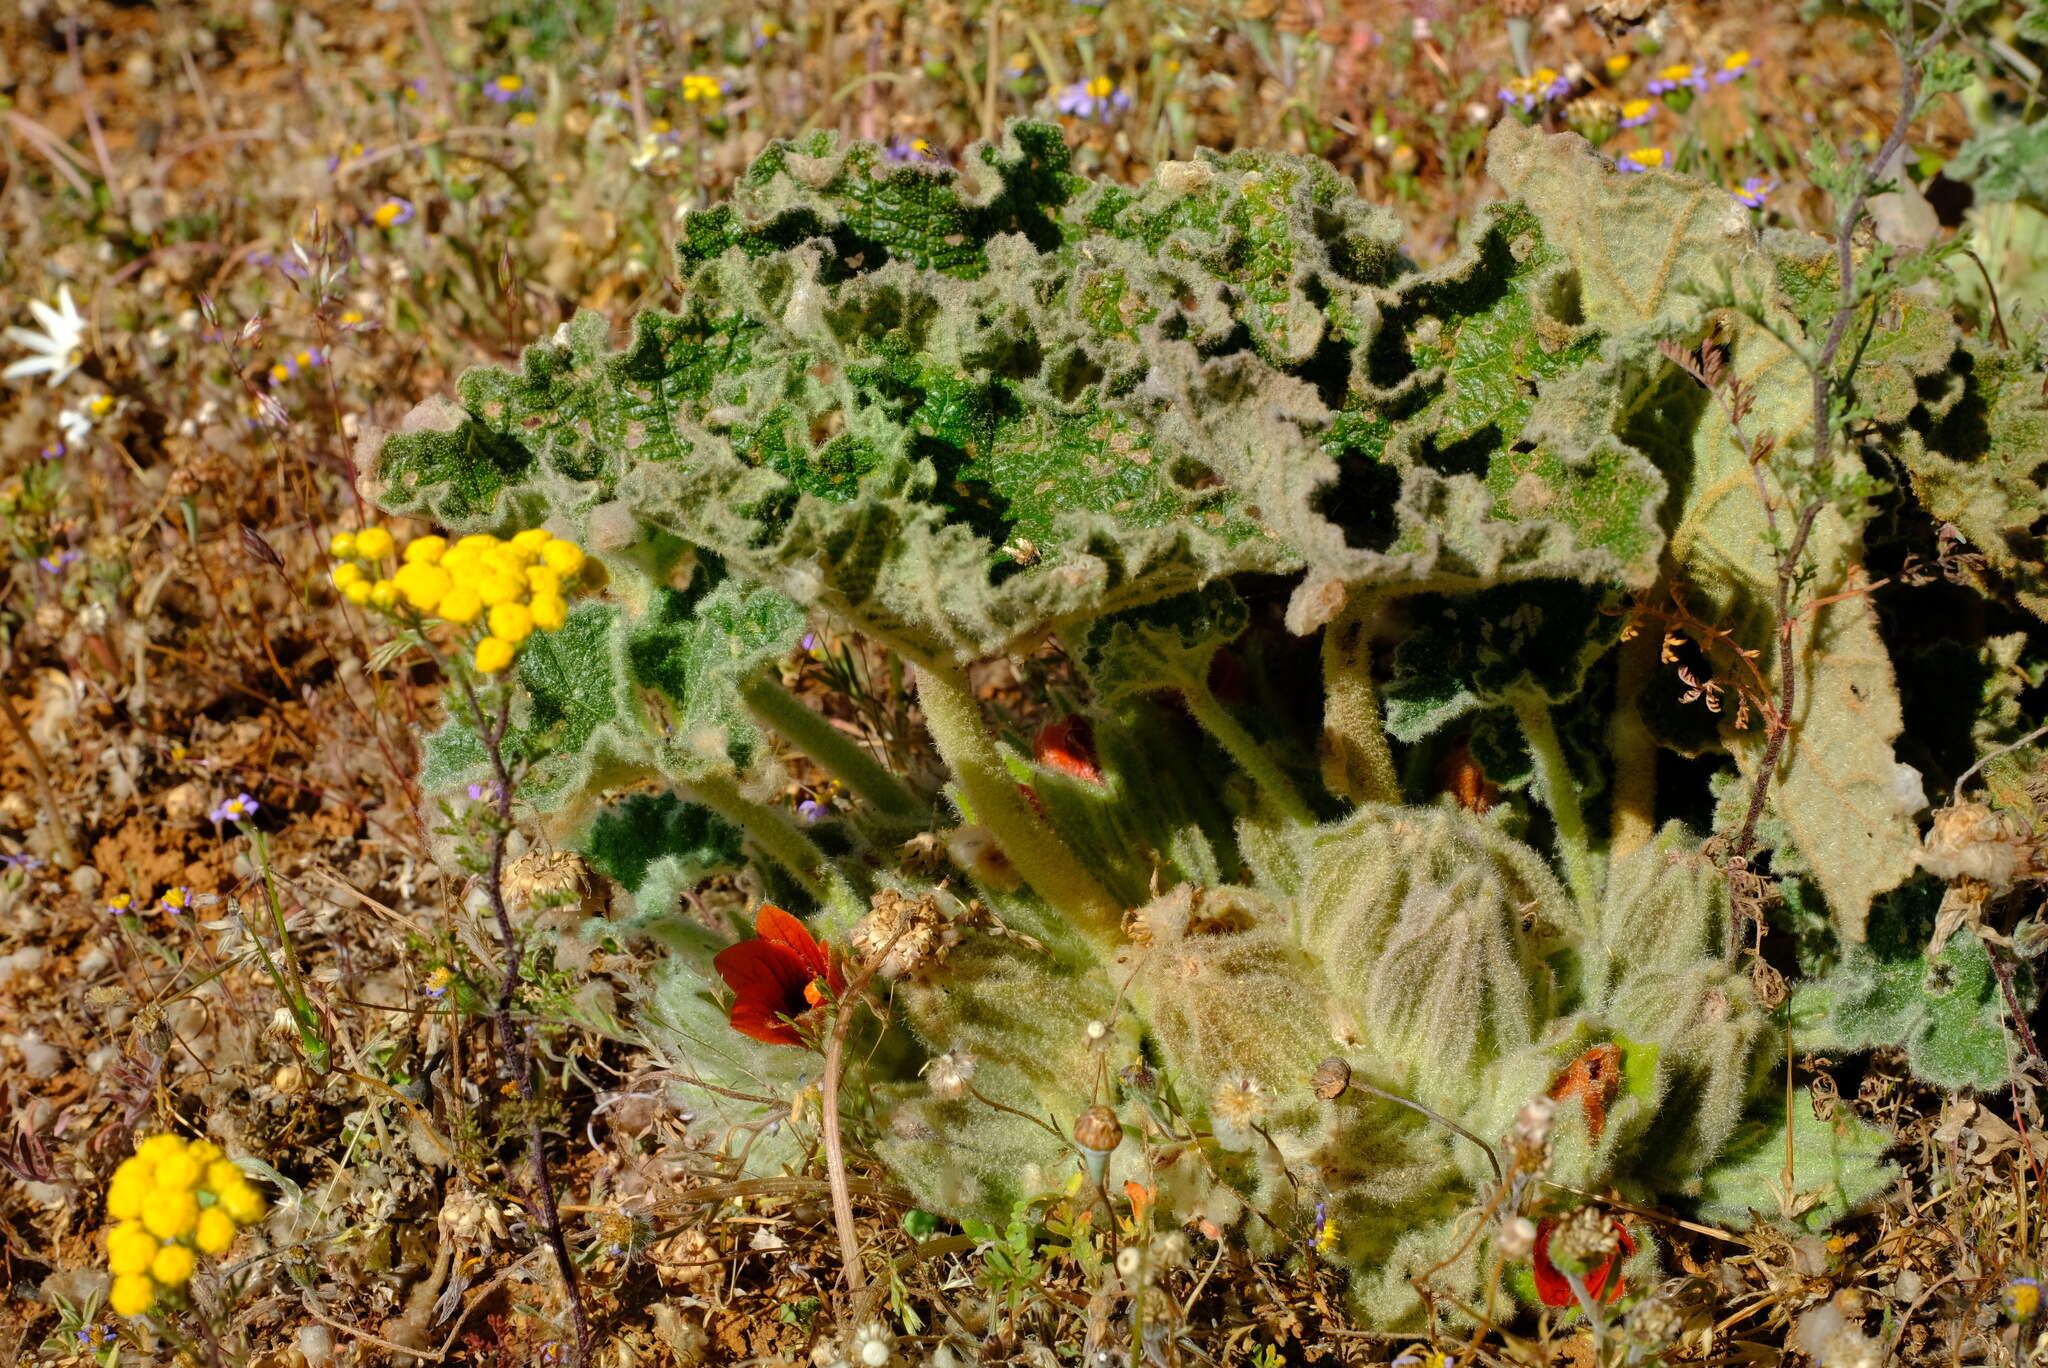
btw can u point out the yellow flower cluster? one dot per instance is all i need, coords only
(511, 589)
(172, 1200)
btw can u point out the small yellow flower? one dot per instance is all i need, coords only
(423, 584)
(347, 573)
(279, 374)
(426, 550)
(543, 579)
(221, 1175)
(242, 1202)
(384, 595)
(343, 547)
(374, 543)
(2022, 1298)
(352, 318)
(357, 593)
(131, 1295)
(1101, 87)
(1617, 64)
(172, 1265)
(1635, 109)
(533, 538)
(564, 558)
(125, 1194)
(496, 586)
(171, 1213)
(215, 1232)
(178, 1171)
(493, 655)
(701, 88)
(130, 1248)
(100, 405)
(549, 611)
(461, 605)
(1643, 159)
(526, 118)
(511, 622)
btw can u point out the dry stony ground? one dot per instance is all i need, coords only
(204, 177)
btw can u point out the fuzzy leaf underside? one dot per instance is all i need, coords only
(1652, 254)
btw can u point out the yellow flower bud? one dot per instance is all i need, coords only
(425, 550)
(543, 579)
(374, 543)
(347, 573)
(216, 1231)
(129, 1249)
(384, 594)
(533, 538)
(125, 1193)
(170, 1213)
(132, 1294)
(357, 592)
(461, 604)
(458, 558)
(204, 1152)
(172, 1266)
(496, 587)
(178, 1170)
(564, 558)
(242, 1202)
(423, 583)
(549, 611)
(343, 546)
(493, 654)
(477, 542)
(152, 1150)
(511, 622)
(221, 1175)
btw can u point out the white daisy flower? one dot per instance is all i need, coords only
(59, 349)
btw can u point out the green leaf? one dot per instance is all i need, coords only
(1659, 257)
(1165, 645)
(1836, 1167)
(1534, 640)
(695, 649)
(2005, 163)
(647, 840)
(1945, 1010)
(1982, 464)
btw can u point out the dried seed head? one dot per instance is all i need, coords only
(1332, 1078)
(1583, 1240)
(1517, 1238)
(543, 879)
(1529, 1136)
(1236, 1108)
(1971, 841)
(921, 855)
(1656, 1322)
(873, 1345)
(912, 930)
(950, 1075)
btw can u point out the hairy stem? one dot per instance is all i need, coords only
(517, 1043)
(1357, 763)
(964, 742)
(1245, 749)
(774, 832)
(837, 753)
(1560, 793)
(1633, 815)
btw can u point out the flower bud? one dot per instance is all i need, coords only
(1097, 1133)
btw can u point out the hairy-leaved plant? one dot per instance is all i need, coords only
(1310, 536)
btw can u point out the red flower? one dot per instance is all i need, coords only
(779, 978)
(1068, 746)
(1551, 1284)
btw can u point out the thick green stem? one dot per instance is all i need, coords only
(1244, 748)
(775, 833)
(1633, 815)
(837, 753)
(1357, 763)
(1560, 793)
(962, 736)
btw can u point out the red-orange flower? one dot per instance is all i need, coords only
(1551, 1283)
(779, 978)
(1068, 746)
(1595, 1079)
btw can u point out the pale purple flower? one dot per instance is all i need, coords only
(1636, 113)
(55, 562)
(812, 811)
(1738, 65)
(1756, 190)
(507, 89)
(22, 862)
(239, 808)
(1098, 98)
(810, 641)
(1679, 77)
(53, 452)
